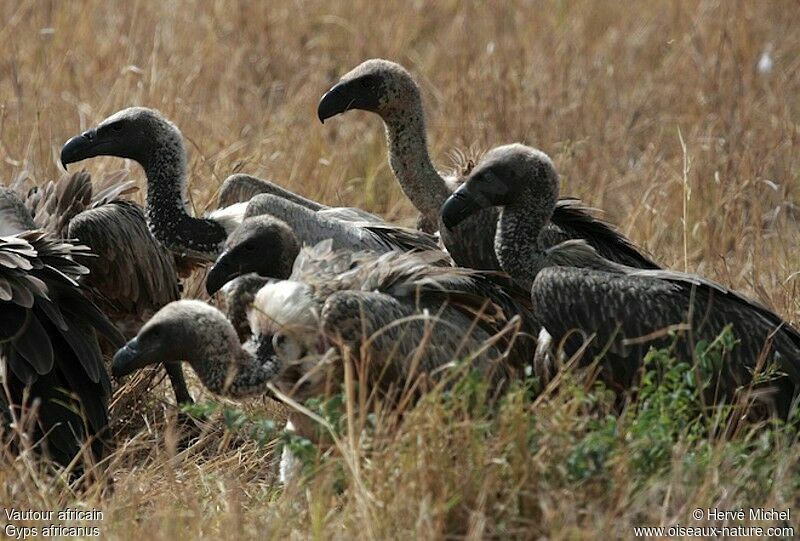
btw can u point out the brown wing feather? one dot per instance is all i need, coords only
(49, 345)
(55, 203)
(133, 274)
(577, 221)
(490, 299)
(638, 308)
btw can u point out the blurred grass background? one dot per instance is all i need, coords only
(655, 112)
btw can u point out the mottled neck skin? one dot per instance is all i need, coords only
(471, 244)
(228, 369)
(410, 161)
(239, 295)
(312, 227)
(516, 242)
(169, 221)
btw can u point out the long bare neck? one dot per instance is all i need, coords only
(228, 369)
(411, 163)
(312, 227)
(517, 239)
(302, 220)
(167, 216)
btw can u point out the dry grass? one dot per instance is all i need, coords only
(652, 111)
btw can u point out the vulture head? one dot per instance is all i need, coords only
(261, 244)
(507, 175)
(186, 330)
(135, 133)
(377, 85)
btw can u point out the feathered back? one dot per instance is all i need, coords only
(133, 275)
(579, 222)
(14, 217)
(55, 203)
(424, 278)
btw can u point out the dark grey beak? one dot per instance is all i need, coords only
(221, 273)
(128, 359)
(334, 102)
(79, 148)
(458, 207)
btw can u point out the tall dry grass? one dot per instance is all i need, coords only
(653, 111)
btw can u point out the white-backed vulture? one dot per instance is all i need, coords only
(623, 310)
(388, 90)
(131, 274)
(52, 366)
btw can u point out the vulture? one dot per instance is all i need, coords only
(268, 238)
(131, 274)
(411, 315)
(56, 388)
(155, 143)
(387, 89)
(265, 244)
(579, 296)
(409, 312)
(240, 188)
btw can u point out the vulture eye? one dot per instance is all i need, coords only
(249, 246)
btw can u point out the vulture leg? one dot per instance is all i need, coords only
(133, 275)
(175, 373)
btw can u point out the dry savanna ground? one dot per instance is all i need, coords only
(655, 112)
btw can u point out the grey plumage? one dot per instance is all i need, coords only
(240, 188)
(623, 310)
(55, 204)
(145, 136)
(408, 313)
(411, 314)
(269, 237)
(48, 338)
(628, 311)
(387, 89)
(348, 227)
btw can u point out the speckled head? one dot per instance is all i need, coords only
(187, 330)
(508, 175)
(377, 85)
(144, 135)
(261, 244)
(135, 133)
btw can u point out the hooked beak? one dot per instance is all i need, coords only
(221, 273)
(334, 102)
(79, 148)
(459, 206)
(129, 359)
